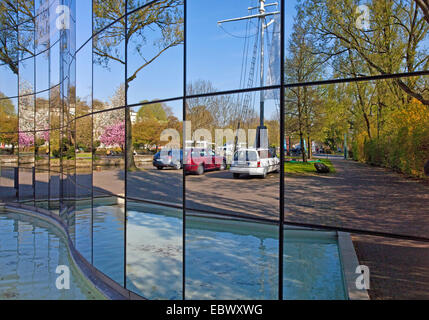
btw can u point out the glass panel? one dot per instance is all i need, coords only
(84, 151)
(8, 81)
(232, 164)
(384, 129)
(9, 58)
(154, 250)
(26, 31)
(313, 267)
(26, 130)
(347, 39)
(42, 71)
(84, 80)
(109, 156)
(229, 55)
(109, 68)
(55, 65)
(42, 150)
(83, 22)
(54, 148)
(108, 237)
(9, 117)
(155, 177)
(155, 51)
(9, 166)
(104, 13)
(108, 181)
(83, 227)
(68, 132)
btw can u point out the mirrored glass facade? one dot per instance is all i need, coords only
(183, 142)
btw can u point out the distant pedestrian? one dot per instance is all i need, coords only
(427, 168)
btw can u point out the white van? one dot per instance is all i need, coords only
(254, 162)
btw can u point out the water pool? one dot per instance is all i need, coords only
(30, 251)
(225, 259)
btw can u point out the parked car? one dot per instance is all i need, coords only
(201, 160)
(254, 162)
(168, 159)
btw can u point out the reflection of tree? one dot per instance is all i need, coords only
(147, 132)
(8, 124)
(151, 120)
(162, 21)
(302, 65)
(224, 109)
(424, 5)
(392, 44)
(6, 105)
(12, 13)
(114, 135)
(158, 111)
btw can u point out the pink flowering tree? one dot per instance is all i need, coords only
(45, 135)
(26, 140)
(114, 135)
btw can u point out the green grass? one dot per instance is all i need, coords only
(303, 168)
(84, 155)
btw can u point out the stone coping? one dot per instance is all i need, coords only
(350, 262)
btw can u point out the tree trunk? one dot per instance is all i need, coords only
(131, 165)
(301, 141)
(309, 147)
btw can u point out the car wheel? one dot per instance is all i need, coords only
(200, 169)
(236, 175)
(159, 168)
(177, 166)
(264, 175)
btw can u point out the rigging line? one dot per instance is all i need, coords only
(242, 75)
(246, 61)
(270, 43)
(247, 97)
(235, 36)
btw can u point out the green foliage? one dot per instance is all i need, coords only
(152, 111)
(6, 105)
(405, 151)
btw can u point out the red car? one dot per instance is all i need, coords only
(201, 160)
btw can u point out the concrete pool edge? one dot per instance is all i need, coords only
(94, 277)
(349, 263)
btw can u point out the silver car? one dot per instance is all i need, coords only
(254, 162)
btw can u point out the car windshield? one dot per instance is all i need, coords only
(246, 155)
(170, 153)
